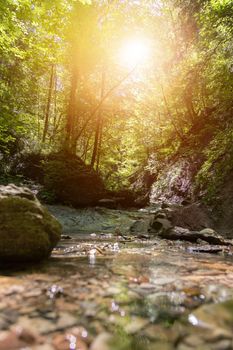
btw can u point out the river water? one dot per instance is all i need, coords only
(109, 292)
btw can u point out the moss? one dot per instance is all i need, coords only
(68, 180)
(27, 230)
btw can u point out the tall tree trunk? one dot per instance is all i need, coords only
(98, 133)
(46, 122)
(54, 122)
(70, 121)
(100, 144)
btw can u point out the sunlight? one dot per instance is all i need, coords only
(134, 52)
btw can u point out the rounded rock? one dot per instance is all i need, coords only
(28, 232)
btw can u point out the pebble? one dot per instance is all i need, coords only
(101, 342)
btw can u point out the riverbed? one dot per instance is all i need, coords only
(109, 291)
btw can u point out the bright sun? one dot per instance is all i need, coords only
(134, 52)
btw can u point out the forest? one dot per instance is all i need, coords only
(116, 165)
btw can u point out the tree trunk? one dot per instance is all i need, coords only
(98, 133)
(70, 127)
(46, 122)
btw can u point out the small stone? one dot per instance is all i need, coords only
(208, 231)
(43, 347)
(147, 286)
(193, 341)
(68, 341)
(66, 237)
(224, 344)
(66, 320)
(160, 225)
(101, 342)
(214, 316)
(136, 324)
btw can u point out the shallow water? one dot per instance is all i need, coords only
(145, 294)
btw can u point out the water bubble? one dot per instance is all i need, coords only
(115, 247)
(114, 306)
(193, 320)
(92, 256)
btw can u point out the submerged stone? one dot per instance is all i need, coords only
(214, 316)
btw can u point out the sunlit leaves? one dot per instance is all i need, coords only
(191, 70)
(217, 4)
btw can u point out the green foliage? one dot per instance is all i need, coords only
(217, 165)
(54, 55)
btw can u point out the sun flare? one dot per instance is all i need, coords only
(134, 52)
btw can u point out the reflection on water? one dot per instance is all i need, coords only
(143, 294)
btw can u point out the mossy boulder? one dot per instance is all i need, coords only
(71, 181)
(64, 176)
(28, 232)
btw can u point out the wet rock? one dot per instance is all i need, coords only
(45, 326)
(193, 341)
(68, 341)
(107, 203)
(136, 324)
(161, 345)
(217, 293)
(208, 249)
(9, 340)
(194, 217)
(208, 231)
(43, 347)
(155, 331)
(215, 316)
(161, 215)
(55, 291)
(140, 226)
(66, 237)
(102, 342)
(28, 232)
(34, 325)
(179, 233)
(160, 225)
(98, 219)
(17, 338)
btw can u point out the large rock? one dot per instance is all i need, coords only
(194, 217)
(208, 235)
(159, 224)
(28, 232)
(72, 181)
(65, 178)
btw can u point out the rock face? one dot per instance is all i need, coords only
(28, 232)
(175, 183)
